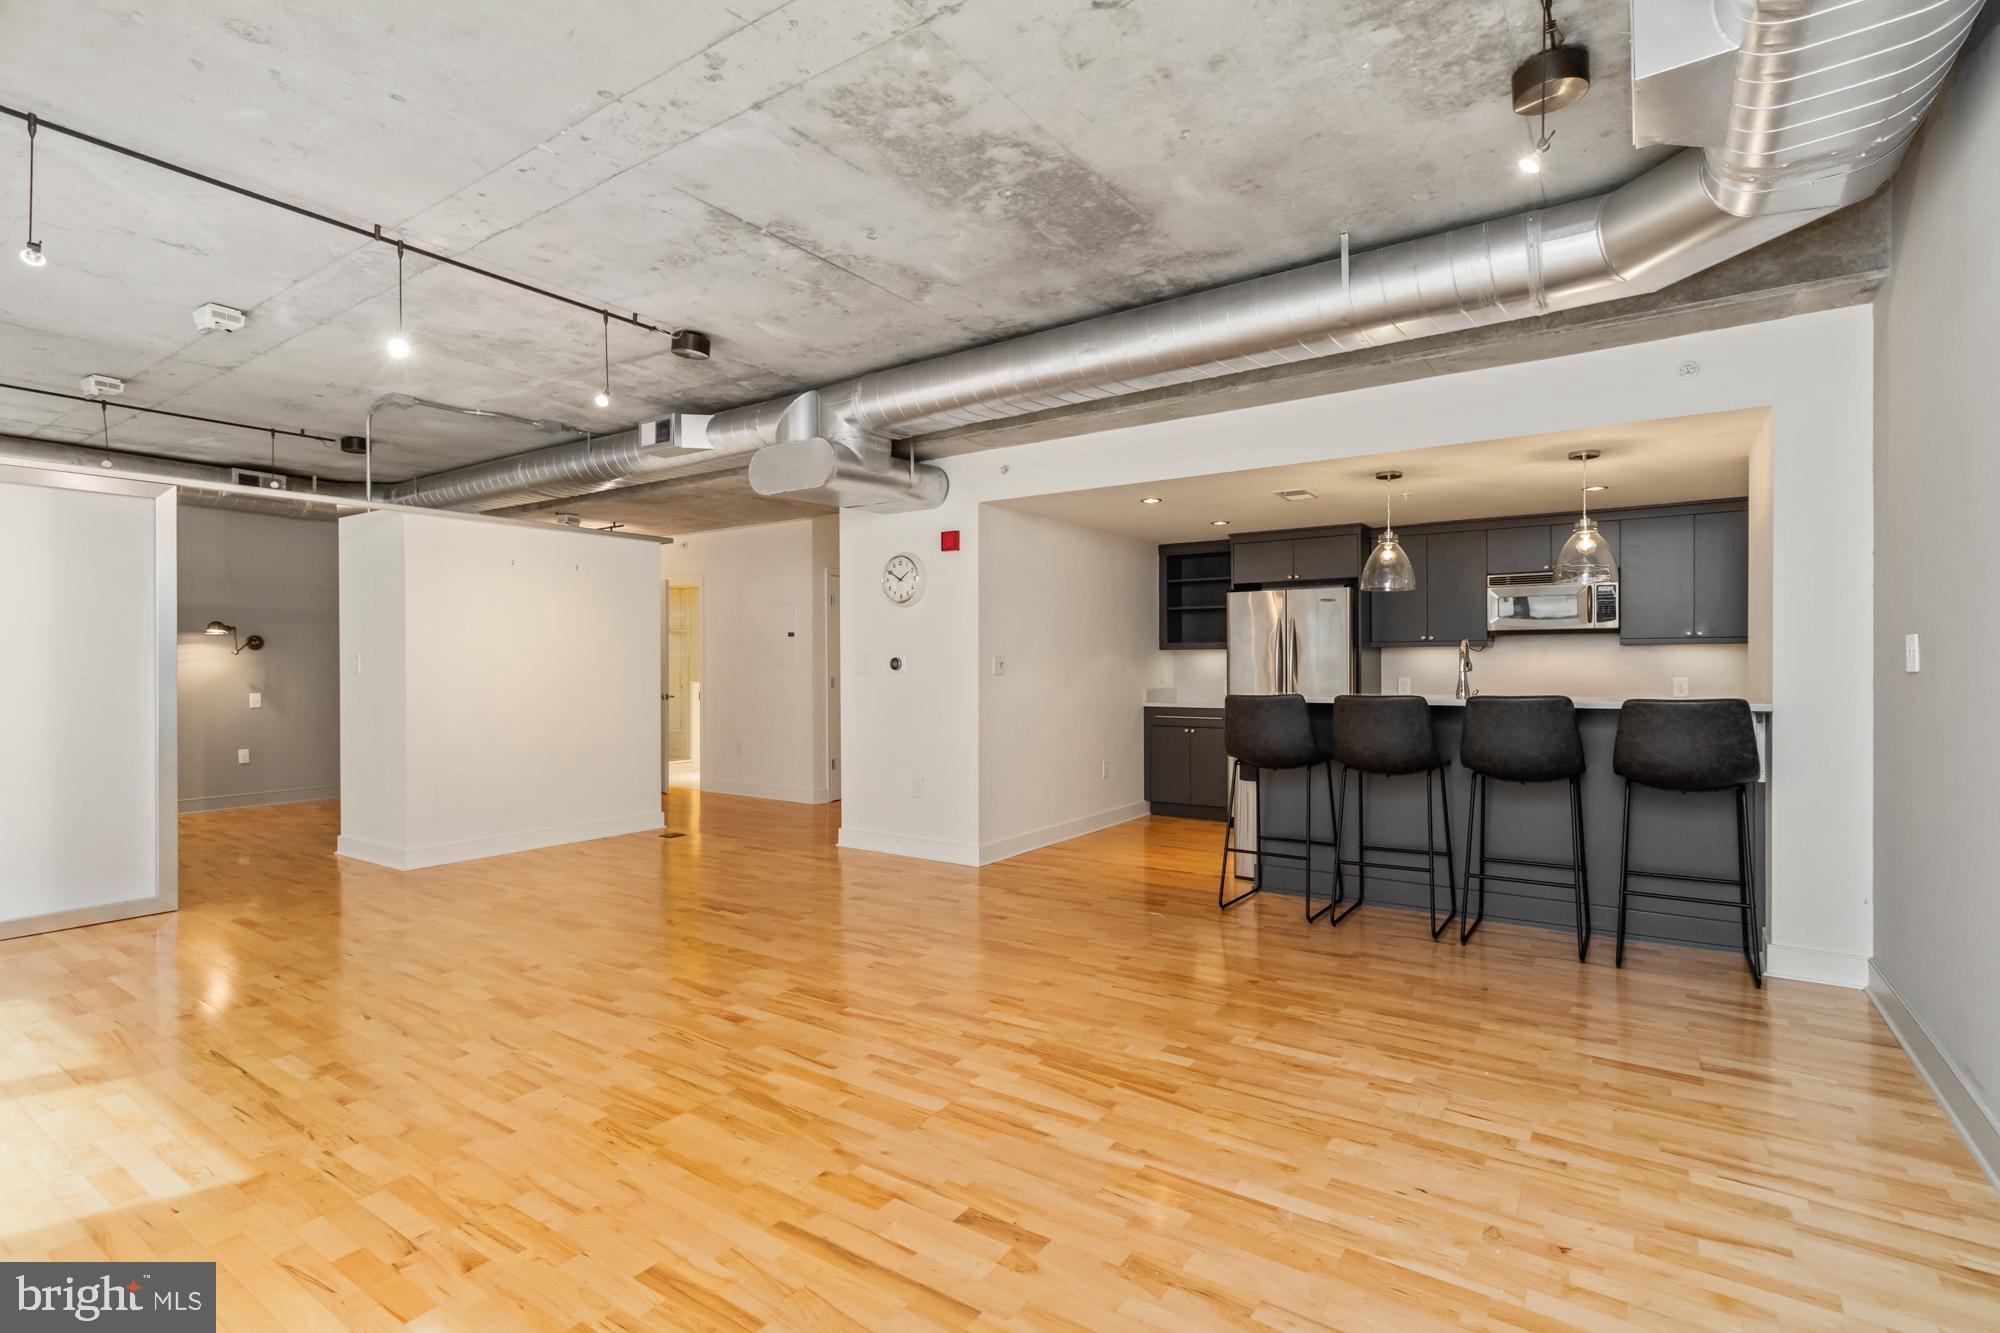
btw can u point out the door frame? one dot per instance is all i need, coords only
(829, 747)
(669, 765)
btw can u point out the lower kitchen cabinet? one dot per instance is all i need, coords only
(1187, 773)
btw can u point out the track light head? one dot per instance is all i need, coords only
(32, 256)
(603, 399)
(399, 347)
(690, 345)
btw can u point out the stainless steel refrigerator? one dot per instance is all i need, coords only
(1292, 641)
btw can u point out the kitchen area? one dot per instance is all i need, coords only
(1465, 580)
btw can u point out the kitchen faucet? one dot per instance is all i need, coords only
(1465, 652)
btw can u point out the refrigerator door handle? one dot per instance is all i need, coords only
(1292, 681)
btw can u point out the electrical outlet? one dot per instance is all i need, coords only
(256, 699)
(1911, 661)
(242, 756)
(1680, 687)
(1402, 684)
(916, 789)
(1104, 769)
(999, 665)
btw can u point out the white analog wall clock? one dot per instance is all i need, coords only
(903, 579)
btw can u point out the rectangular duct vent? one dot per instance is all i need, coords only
(263, 481)
(1295, 494)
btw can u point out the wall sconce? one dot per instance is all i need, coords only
(253, 643)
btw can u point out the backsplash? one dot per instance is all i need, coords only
(1192, 679)
(1583, 666)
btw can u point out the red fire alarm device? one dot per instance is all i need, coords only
(948, 540)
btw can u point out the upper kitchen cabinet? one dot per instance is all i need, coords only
(1299, 557)
(1194, 595)
(1535, 546)
(1449, 601)
(1685, 576)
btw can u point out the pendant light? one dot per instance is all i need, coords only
(604, 394)
(1388, 568)
(399, 346)
(1586, 557)
(31, 253)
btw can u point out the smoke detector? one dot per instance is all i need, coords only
(219, 318)
(103, 386)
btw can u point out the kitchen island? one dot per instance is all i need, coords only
(1689, 833)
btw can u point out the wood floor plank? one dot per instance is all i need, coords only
(743, 1080)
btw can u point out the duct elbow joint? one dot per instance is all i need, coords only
(816, 469)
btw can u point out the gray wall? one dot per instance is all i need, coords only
(1937, 482)
(278, 577)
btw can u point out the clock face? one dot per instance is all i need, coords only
(903, 579)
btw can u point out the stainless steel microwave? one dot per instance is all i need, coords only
(1544, 600)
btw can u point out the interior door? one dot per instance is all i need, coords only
(683, 670)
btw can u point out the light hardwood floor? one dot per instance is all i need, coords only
(740, 1080)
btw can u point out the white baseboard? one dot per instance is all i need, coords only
(1004, 848)
(766, 792)
(1793, 963)
(922, 849)
(502, 844)
(194, 805)
(1961, 1101)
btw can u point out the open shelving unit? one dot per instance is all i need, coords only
(1194, 595)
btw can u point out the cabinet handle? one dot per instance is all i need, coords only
(1700, 632)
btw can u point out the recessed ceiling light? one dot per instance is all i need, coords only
(1150, 500)
(1596, 487)
(1295, 494)
(1218, 523)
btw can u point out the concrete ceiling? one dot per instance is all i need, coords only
(1704, 457)
(824, 186)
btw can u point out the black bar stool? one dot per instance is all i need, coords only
(1389, 735)
(1270, 731)
(1525, 738)
(1689, 745)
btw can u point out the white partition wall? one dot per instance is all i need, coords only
(499, 687)
(87, 732)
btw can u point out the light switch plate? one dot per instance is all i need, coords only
(242, 756)
(1680, 687)
(1402, 684)
(1911, 660)
(999, 665)
(256, 699)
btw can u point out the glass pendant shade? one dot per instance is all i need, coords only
(1388, 568)
(1586, 557)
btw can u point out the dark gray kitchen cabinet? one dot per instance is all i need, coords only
(1722, 576)
(1187, 772)
(1260, 562)
(1656, 580)
(1322, 559)
(1456, 604)
(1686, 576)
(1396, 618)
(1518, 550)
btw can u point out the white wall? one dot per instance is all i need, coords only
(764, 689)
(1583, 666)
(499, 687)
(1937, 481)
(1813, 372)
(1062, 745)
(86, 665)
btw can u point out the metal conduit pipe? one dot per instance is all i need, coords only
(1824, 97)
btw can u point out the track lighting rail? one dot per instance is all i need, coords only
(166, 412)
(372, 233)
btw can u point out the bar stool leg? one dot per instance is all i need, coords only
(1745, 876)
(1450, 857)
(1580, 860)
(1624, 871)
(1333, 803)
(1430, 852)
(1229, 848)
(1478, 829)
(1360, 835)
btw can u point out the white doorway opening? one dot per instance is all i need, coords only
(832, 672)
(680, 683)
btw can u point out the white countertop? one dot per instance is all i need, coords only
(1447, 701)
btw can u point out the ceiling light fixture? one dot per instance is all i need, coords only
(31, 253)
(1549, 80)
(690, 345)
(604, 394)
(1150, 500)
(1218, 523)
(399, 345)
(1586, 557)
(1388, 568)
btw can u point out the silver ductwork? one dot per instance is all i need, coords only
(1819, 100)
